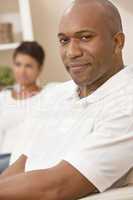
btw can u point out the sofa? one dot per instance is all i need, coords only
(125, 193)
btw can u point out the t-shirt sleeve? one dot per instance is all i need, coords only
(106, 154)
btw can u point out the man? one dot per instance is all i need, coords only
(84, 136)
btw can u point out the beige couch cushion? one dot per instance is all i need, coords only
(125, 193)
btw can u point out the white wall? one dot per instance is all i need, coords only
(46, 15)
(126, 10)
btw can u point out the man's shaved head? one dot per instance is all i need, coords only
(108, 10)
(91, 41)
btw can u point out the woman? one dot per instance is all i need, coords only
(26, 94)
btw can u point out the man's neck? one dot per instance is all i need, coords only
(85, 90)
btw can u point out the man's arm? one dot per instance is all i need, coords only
(62, 182)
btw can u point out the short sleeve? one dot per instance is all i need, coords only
(106, 155)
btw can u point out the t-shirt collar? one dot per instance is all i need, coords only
(113, 84)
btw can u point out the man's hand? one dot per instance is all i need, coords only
(16, 168)
(62, 182)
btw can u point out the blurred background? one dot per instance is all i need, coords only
(38, 20)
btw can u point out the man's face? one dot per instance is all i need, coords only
(86, 44)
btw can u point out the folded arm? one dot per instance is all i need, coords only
(61, 182)
(16, 168)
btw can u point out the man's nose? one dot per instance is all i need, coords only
(73, 49)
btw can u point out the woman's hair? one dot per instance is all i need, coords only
(31, 48)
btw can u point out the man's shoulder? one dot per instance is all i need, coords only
(119, 85)
(117, 94)
(127, 82)
(126, 75)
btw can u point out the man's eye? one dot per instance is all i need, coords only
(64, 41)
(86, 38)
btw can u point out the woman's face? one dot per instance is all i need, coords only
(25, 69)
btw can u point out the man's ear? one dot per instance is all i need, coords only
(119, 40)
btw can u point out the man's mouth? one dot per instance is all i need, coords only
(78, 67)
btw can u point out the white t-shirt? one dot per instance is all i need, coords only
(94, 134)
(12, 114)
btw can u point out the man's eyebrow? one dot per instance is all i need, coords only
(79, 32)
(84, 31)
